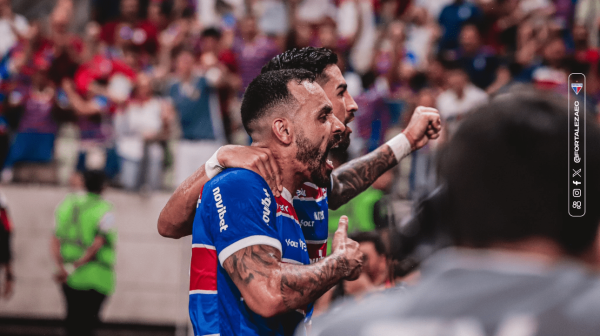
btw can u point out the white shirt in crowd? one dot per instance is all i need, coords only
(138, 119)
(9, 38)
(451, 106)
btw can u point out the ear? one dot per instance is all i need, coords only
(282, 130)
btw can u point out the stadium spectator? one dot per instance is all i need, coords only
(460, 97)
(375, 264)
(510, 249)
(484, 68)
(421, 34)
(451, 20)
(553, 73)
(374, 277)
(100, 85)
(131, 28)
(388, 51)
(12, 27)
(139, 129)
(252, 49)
(194, 97)
(6, 285)
(34, 141)
(83, 248)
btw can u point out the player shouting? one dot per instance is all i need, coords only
(249, 243)
(311, 202)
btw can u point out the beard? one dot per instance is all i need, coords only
(315, 160)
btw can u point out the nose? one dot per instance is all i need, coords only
(337, 126)
(351, 107)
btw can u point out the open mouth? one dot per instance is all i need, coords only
(329, 164)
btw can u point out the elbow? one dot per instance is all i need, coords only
(166, 230)
(267, 308)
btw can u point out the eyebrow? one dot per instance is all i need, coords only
(343, 86)
(326, 109)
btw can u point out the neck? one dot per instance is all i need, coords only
(380, 278)
(460, 93)
(290, 179)
(186, 76)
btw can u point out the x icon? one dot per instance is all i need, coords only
(576, 173)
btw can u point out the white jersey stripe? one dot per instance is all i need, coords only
(288, 216)
(309, 199)
(209, 247)
(202, 291)
(316, 241)
(248, 241)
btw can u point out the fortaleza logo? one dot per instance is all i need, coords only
(576, 87)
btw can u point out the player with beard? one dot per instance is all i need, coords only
(247, 242)
(311, 202)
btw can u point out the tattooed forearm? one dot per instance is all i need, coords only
(305, 284)
(357, 175)
(270, 287)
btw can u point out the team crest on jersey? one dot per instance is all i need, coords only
(576, 87)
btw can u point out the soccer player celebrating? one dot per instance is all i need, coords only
(311, 202)
(249, 243)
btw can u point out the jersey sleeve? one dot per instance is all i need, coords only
(241, 212)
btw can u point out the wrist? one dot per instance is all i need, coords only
(213, 167)
(342, 263)
(401, 145)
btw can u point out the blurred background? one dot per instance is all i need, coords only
(147, 90)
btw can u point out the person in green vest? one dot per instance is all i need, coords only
(83, 247)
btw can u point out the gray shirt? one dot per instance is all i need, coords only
(474, 293)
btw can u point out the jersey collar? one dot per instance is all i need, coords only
(286, 195)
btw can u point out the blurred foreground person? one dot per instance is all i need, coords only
(83, 248)
(520, 265)
(6, 285)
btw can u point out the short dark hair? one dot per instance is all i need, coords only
(211, 32)
(94, 180)
(268, 90)
(506, 174)
(370, 237)
(312, 59)
(179, 50)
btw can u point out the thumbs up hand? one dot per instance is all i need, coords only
(348, 250)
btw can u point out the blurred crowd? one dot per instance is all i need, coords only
(154, 86)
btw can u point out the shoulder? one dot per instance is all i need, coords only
(238, 181)
(106, 205)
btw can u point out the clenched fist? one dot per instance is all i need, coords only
(424, 124)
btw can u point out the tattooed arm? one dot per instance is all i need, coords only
(354, 177)
(270, 287)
